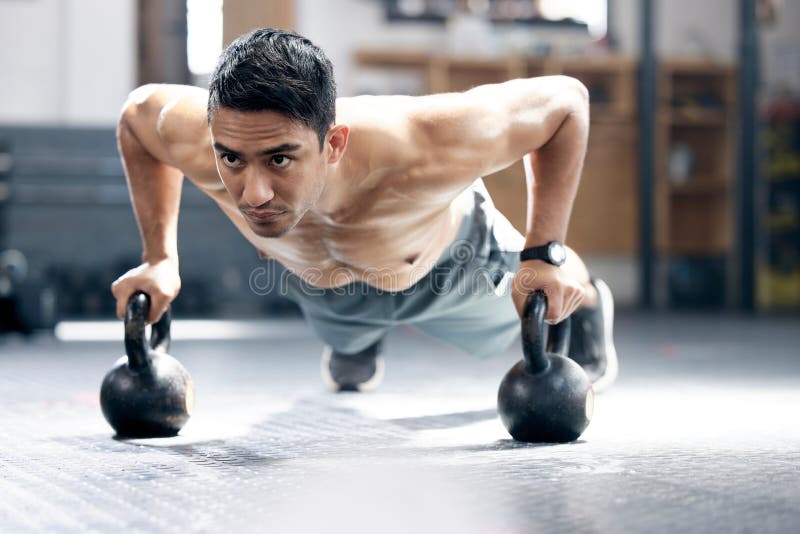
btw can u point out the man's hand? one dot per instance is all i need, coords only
(160, 280)
(564, 293)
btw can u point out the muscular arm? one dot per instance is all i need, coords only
(553, 168)
(543, 120)
(161, 136)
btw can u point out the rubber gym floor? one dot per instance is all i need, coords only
(700, 434)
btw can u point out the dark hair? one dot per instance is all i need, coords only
(276, 70)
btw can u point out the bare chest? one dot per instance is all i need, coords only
(387, 243)
(386, 236)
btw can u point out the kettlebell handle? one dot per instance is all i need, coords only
(136, 346)
(534, 333)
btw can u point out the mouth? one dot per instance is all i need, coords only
(262, 216)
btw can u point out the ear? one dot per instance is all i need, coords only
(336, 142)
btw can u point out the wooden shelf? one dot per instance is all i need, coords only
(599, 64)
(694, 66)
(699, 248)
(610, 113)
(696, 102)
(695, 117)
(457, 62)
(392, 58)
(701, 186)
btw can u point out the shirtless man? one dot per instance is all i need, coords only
(371, 205)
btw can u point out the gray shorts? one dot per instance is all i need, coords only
(465, 300)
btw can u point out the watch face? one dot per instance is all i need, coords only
(557, 253)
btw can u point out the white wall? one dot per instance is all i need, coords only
(683, 28)
(697, 28)
(73, 61)
(342, 26)
(67, 62)
(30, 61)
(624, 23)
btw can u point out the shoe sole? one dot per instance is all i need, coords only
(332, 385)
(612, 364)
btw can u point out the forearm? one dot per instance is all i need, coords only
(553, 172)
(155, 189)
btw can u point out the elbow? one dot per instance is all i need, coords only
(136, 101)
(566, 97)
(569, 98)
(578, 87)
(577, 92)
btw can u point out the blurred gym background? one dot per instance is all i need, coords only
(690, 197)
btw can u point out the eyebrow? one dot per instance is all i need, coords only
(285, 147)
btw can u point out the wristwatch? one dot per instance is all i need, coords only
(553, 253)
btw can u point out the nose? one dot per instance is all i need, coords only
(257, 190)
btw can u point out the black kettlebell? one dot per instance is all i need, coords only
(546, 397)
(147, 393)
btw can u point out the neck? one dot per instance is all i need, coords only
(329, 199)
(341, 180)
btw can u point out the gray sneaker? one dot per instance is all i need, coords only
(362, 371)
(592, 339)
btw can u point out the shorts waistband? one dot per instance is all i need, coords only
(469, 239)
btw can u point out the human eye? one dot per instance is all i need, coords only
(280, 160)
(229, 160)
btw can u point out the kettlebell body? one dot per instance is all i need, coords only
(545, 397)
(553, 406)
(155, 402)
(147, 393)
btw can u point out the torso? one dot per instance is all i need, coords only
(398, 221)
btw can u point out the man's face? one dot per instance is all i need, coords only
(271, 166)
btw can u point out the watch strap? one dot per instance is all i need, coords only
(535, 253)
(544, 253)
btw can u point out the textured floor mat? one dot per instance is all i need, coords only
(701, 434)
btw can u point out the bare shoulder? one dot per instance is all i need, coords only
(183, 127)
(171, 121)
(484, 106)
(377, 123)
(429, 138)
(391, 136)
(491, 126)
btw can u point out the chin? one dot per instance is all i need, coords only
(272, 229)
(263, 230)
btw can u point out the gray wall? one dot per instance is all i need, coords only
(69, 212)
